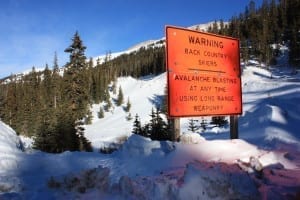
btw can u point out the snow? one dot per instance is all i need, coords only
(142, 93)
(204, 27)
(264, 163)
(145, 44)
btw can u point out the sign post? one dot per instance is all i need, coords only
(234, 134)
(175, 124)
(203, 73)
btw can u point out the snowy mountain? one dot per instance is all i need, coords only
(263, 164)
(149, 43)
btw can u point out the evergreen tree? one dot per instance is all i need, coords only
(128, 105)
(47, 137)
(106, 97)
(129, 117)
(67, 134)
(43, 138)
(192, 125)
(32, 104)
(158, 127)
(114, 87)
(76, 97)
(108, 105)
(89, 117)
(56, 84)
(101, 113)
(84, 144)
(9, 102)
(219, 121)
(137, 128)
(203, 125)
(120, 99)
(215, 28)
(75, 91)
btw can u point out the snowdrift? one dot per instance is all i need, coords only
(10, 144)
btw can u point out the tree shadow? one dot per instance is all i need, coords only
(271, 122)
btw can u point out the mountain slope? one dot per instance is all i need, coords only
(143, 94)
(148, 44)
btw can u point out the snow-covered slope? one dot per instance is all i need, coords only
(271, 107)
(149, 44)
(204, 27)
(143, 94)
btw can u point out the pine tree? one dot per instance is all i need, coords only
(203, 125)
(192, 125)
(114, 87)
(129, 117)
(84, 144)
(137, 128)
(215, 28)
(120, 99)
(158, 127)
(75, 91)
(42, 140)
(128, 105)
(69, 139)
(76, 98)
(56, 84)
(47, 137)
(108, 105)
(10, 105)
(101, 113)
(32, 104)
(219, 121)
(89, 117)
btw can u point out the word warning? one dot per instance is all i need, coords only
(204, 76)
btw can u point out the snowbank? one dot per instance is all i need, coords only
(9, 141)
(10, 145)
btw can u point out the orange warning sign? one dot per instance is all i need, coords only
(204, 76)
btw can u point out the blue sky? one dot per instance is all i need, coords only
(31, 31)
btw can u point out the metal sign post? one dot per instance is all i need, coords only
(234, 132)
(175, 124)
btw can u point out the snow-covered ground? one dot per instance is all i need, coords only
(263, 164)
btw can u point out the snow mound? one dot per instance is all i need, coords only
(9, 141)
(10, 147)
(141, 146)
(191, 138)
(217, 181)
(212, 180)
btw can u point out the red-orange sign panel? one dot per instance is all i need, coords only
(204, 76)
